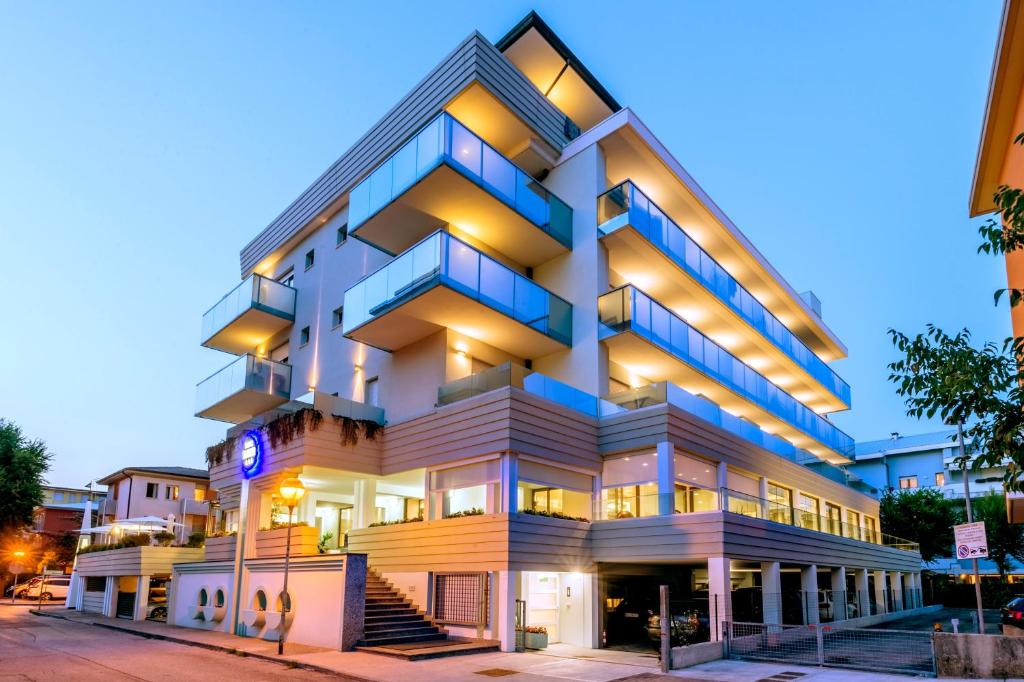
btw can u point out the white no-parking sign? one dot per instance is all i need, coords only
(970, 540)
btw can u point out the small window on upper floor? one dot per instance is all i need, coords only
(58, 497)
(337, 317)
(152, 490)
(304, 336)
(172, 492)
(940, 478)
(199, 495)
(310, 257)
(342, 234)
(287, 279)
(908, 482)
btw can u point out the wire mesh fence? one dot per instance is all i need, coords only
(822, 644)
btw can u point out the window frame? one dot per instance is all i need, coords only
(341, 235)
(911, 482)
(304, 335)
(155, 487)
(310, 259)
(337, 316)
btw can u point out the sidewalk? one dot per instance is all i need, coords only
(558, 662)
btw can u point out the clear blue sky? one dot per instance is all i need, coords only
(142, 145)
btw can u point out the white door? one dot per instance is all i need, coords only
(572, 616)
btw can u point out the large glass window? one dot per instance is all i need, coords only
(554, 501)
(835, 518)
(780, 504)
(810, 512)
(631, 501)
(853, 529)
(689, 499)
(470, 500)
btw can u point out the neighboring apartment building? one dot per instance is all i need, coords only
(589, 382)
(1001, 162)
(62, 509)
(135, 492)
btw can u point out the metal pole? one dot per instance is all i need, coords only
(285, 597)
(42, 588)
(14, 591)
(666, 638)
(970, 519)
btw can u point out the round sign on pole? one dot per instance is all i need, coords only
(15, 568)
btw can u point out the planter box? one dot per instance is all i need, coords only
(536, 641)
(271, 543)
(221, 549)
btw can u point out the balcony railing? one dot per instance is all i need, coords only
(625, 204)
(749, 505)
(517, 376)
(247, 386)
(441, 259)
(255, 293)
(446, 141)
(627, 309)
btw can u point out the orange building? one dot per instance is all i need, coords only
(1000, 162)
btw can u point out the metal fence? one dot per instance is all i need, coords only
(797, 607)
(461, 598)
(896, 651)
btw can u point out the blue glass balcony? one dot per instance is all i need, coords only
(442, 282)
(247, 387)
(648, 340)
(625, 206)
(447, 174)
(248, 315)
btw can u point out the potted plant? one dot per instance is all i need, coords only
(536, 637)
(164, 538)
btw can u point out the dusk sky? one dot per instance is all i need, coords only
(143, 144)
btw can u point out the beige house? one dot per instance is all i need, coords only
(587, 382)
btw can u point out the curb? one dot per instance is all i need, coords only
(286, 662)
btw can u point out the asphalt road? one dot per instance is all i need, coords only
(39, 648)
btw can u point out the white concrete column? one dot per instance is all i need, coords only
(723, 475)
(762, 492)
(110, 597)
(719, 594)
(142, 598)
(919, 591)
(863, 598)
(839, 597)
(880, 591)
(809, 593)
(510, 483)
(364, 510)
(897, 591)
(508, 592)
(771, 592)
(666, 478)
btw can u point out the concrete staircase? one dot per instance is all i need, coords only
(394, 627)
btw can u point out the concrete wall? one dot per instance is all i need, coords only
(183, 607)
(978, 656)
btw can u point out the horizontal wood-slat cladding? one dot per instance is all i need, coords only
(695, 537)
(92, 602)
(136, 560)
(504, 420)
(475, 59)
(646, 427)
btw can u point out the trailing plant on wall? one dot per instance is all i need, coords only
(376, 524)
(285, 428)
(475, 511)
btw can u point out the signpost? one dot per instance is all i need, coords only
(970, 540)
(15, 568)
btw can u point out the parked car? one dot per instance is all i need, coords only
(54, 587)
(1013, 612)
(157, 607)
(826, 609)
(687, 627)
(22, 586)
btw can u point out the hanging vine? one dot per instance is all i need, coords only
(287, 427)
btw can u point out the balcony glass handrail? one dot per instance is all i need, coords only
(446, 141)
(749, 505)
(245, 373)
(629, 309)
(442, 259)
(255, 291)
(648, 219)
(511, 374)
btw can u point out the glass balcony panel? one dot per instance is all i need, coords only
(466, 148)
(430, 146)
(443, 259)
(500, 175)
(404, 168)
(651, 222)
(244, 388)
(714, 361)
(250, 313)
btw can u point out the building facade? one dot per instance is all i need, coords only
(527, 367)
(180, 493)
(62, 509)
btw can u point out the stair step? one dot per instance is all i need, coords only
(402, 630)
(391, 613)
(402, 639)
(394, 617)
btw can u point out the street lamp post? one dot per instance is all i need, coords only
(291, 491)
(18, 555)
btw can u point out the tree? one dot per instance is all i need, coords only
(1005, 540)
(22, 465)
(921, 515)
